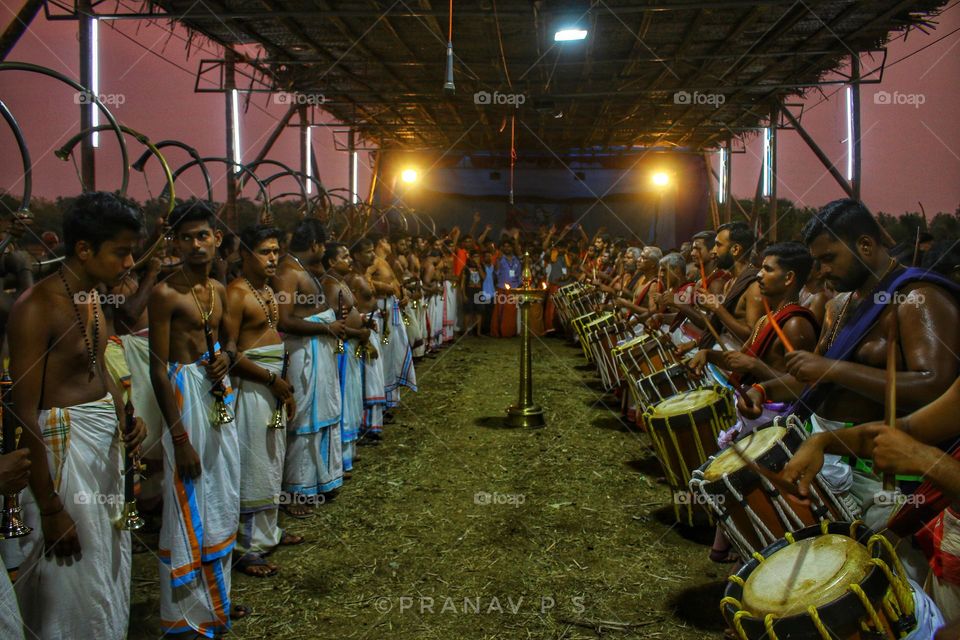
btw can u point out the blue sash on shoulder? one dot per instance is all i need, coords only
(858, 326)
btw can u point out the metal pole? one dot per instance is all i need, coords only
(774, 119)
(230, 209)
(88, 172)
(18, 26)
(304, 166)
(855, 94)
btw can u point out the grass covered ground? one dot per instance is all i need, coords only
(455, 527)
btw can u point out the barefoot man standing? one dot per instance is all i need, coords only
(260, 385)
(201, 501)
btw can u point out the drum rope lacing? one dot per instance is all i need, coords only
(897, 603)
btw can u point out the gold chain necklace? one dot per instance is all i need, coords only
(838, 324)
(764, 319)
(213, 299)
(270, 310)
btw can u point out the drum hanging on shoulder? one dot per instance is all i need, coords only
(751, 510)
(684, 430)
(827, 582)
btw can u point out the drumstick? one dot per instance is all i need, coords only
(703, 273)
(776, 327)
(774, 478)
(889, 479)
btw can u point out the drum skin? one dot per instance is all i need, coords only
(748, 484)
(842, 615)
(684, 431)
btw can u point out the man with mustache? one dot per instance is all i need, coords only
(253, 315)
(883, 298)
(201, 504)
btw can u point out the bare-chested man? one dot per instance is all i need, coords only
(338, 265)
(70, 409)
(260, 387)
(851, 353)
(312, 329)
(396, 353)
(374, 386)
(201, 502)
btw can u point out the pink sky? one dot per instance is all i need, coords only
(910, 152)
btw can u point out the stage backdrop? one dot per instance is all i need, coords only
(611, 190)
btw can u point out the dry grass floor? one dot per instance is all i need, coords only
(458, 528)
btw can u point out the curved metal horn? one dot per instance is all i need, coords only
(264, 196)
(33, 68)
(142, 161)
(24, 157)
(64, 153)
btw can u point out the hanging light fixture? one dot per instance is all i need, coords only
(449, 87)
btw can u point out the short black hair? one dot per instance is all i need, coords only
(361, 245)
(98, 216)
(709, 238)
(255, 234)
(193, 211)
(740, 234)
(330, 251)
(845, 219)
(792, 256)
(307, 233)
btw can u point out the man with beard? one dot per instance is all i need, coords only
(260, 386)
(739, 306)
(201, 495)
(337, 263)
(918, 308)
(70, 409)
(374, 387)
(785, 267)
(311, 327)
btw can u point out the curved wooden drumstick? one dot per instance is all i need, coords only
(776, 327)
(889, 479)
